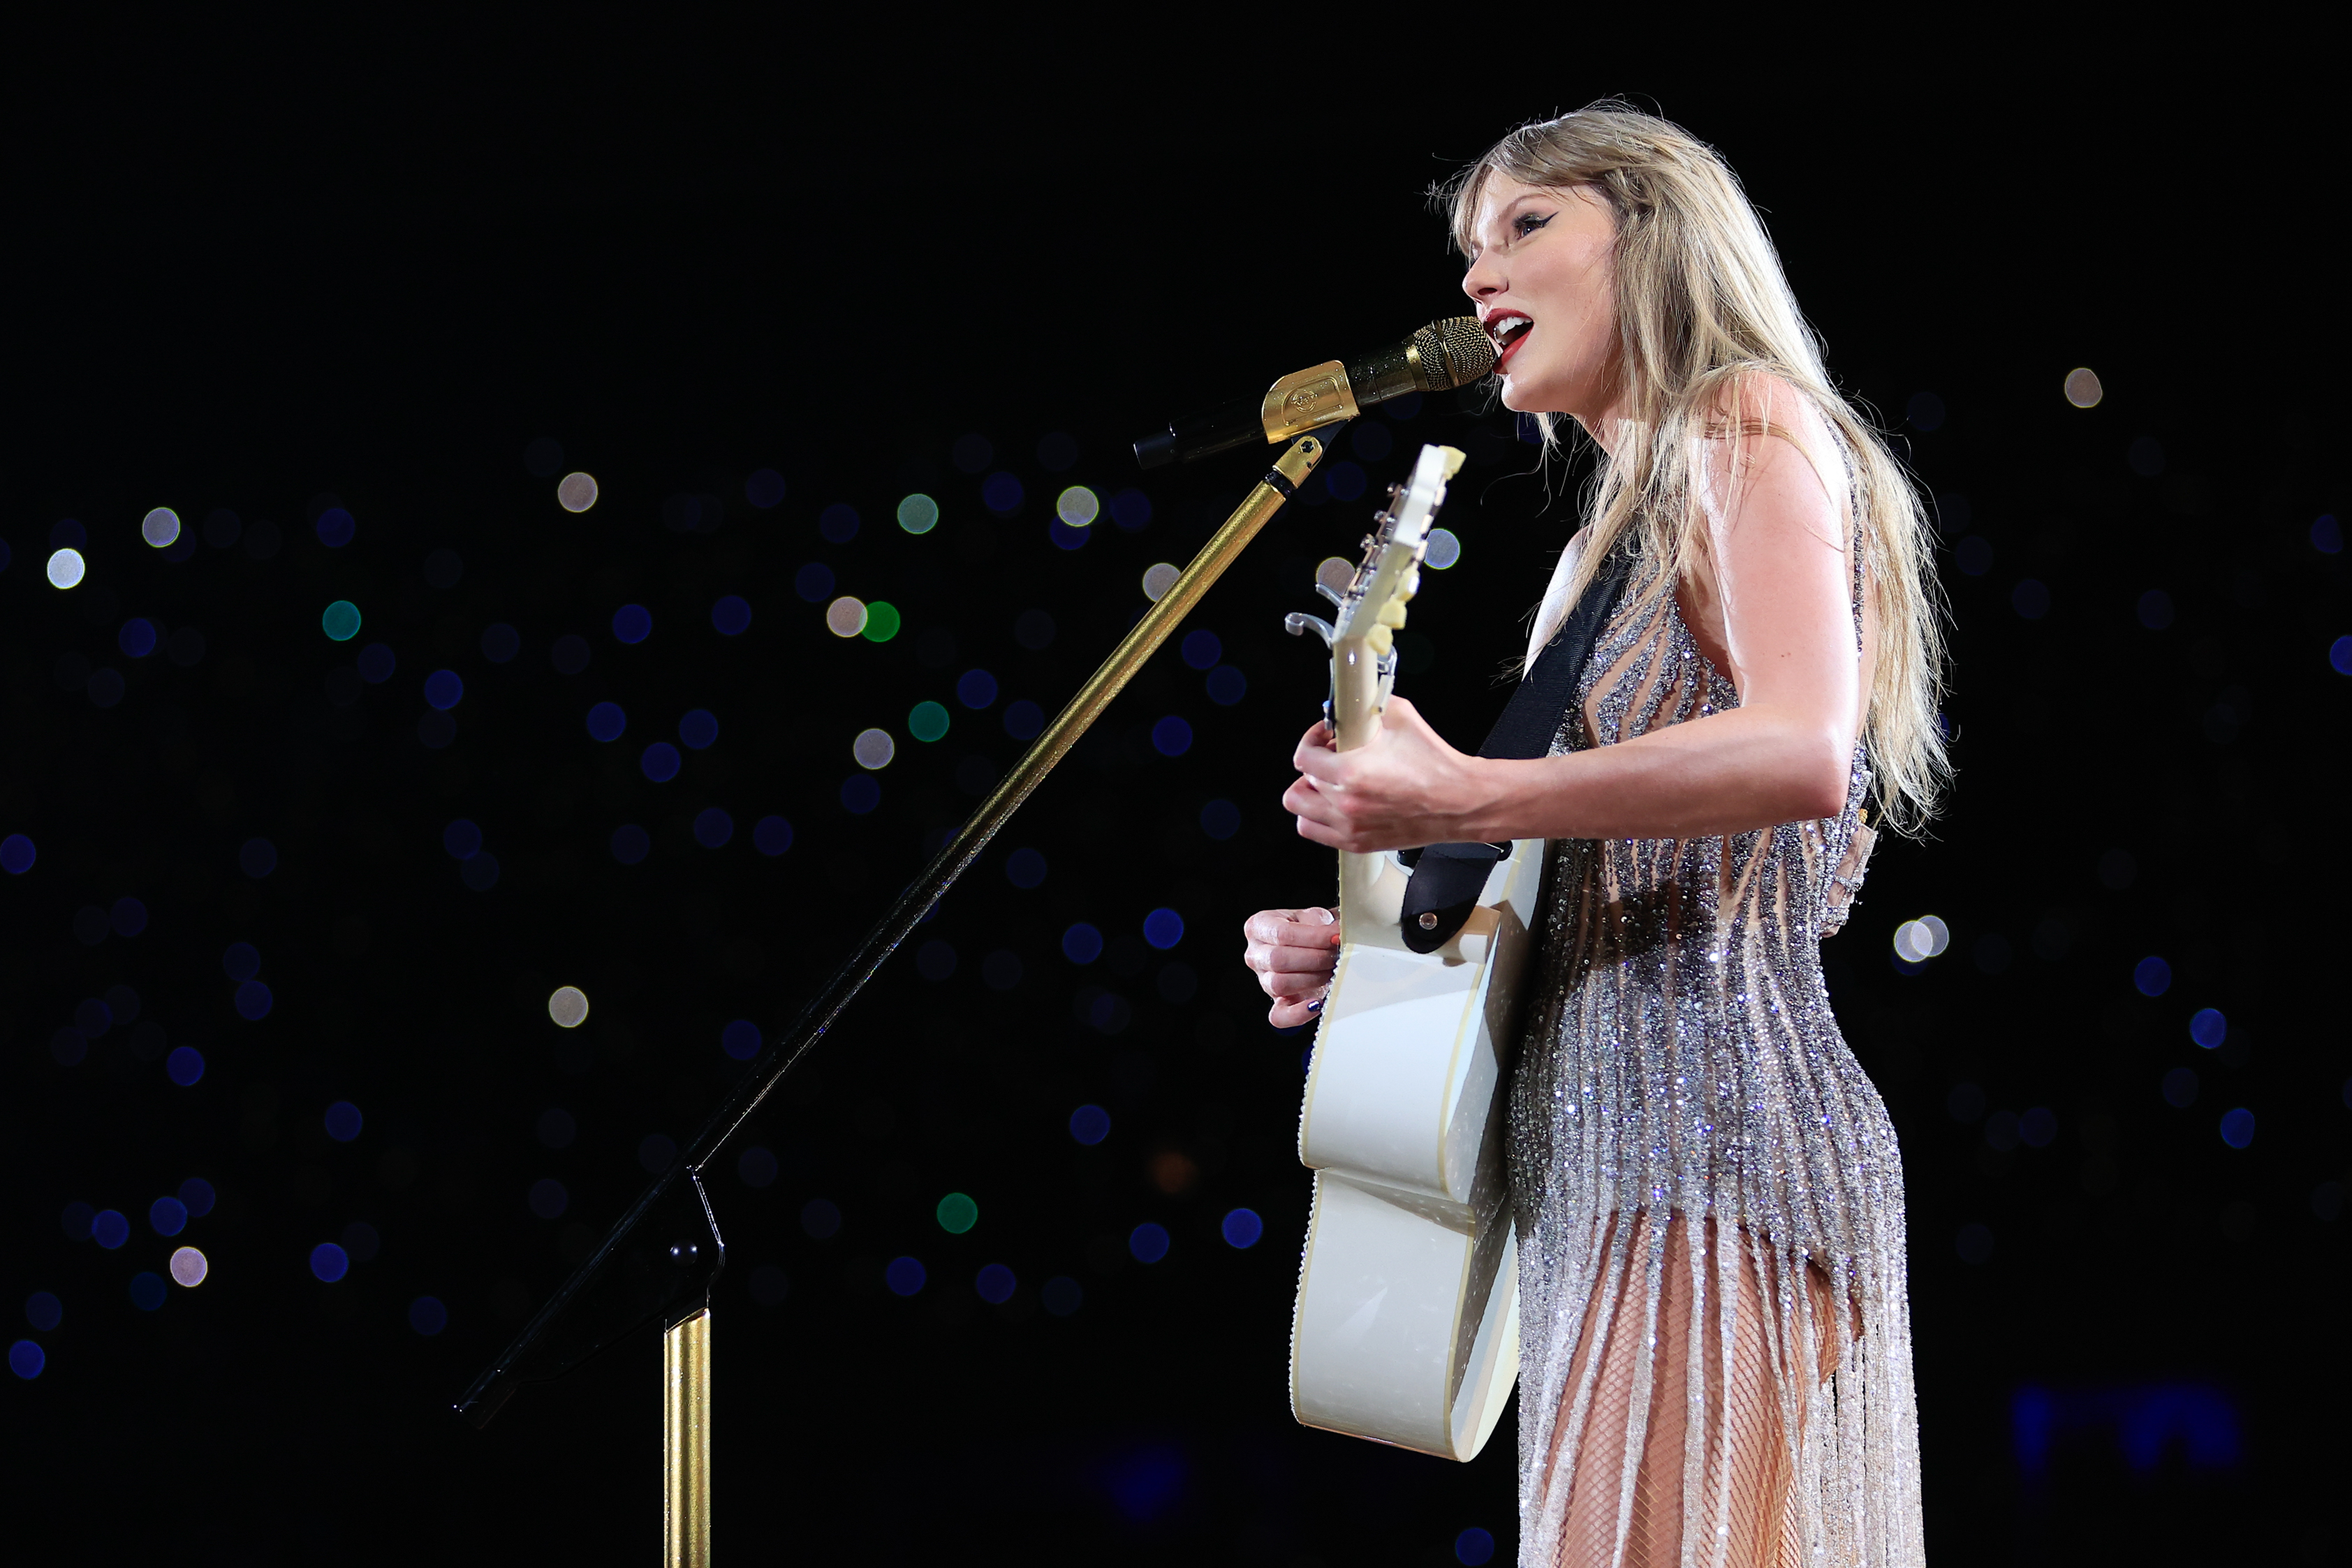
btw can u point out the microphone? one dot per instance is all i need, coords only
(1449, 353)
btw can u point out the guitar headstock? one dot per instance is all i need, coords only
(1370, 599)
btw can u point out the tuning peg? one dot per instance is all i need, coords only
(1380, 639)
(1393, 614)
(1299, 625)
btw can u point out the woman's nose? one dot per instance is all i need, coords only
(1481, 282)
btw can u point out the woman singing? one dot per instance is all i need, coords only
(1716, 1356)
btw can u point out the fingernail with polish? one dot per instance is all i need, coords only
(1315, 1006)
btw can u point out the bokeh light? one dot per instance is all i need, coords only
(147, 1291)
(2152, 976)
(240, 961)
(918, 514)
(501, 643)
(343, 1121)
(254, 1001)
(67, 569)
(185, 1066)
(548, 1199)
(607, 722)
(1159, 579)
(109, 1229)
(17, 854)
(190, 1267)
(330, 1262)
(1227, 685)
(845, 616)
(1023, 720)
(957, 1213)
(257, 858)
(1148, 1243)
(756, 1167)
(160, 528)
(1202, 648)
(1025, 868)
(2209, 1029)
(976, 688)
(631, 843)
(1922, 939)
(838, 522)
(732, 616)
(632, 624)
(1062, 1296)
(698, 728)
(335, 527)
(196, 1193)
(1077, 506)
(1002, 494)
(462, 839)
(568, 1007)
(2083, 387)
(26, 1359)
(764, 489)
(996, 1284)
(1444, 549)
(936, 960)
(1164, 928)
(928, 721)
(445, 689)
(1090, 1124)
(1082, 943)
(882, 622)
(2238, 1128)
(860, 794)
(1241, 1228)
(713, 828)
(874, 749)
(904, 1276)
(820, 1219)
(1171, 736)
(137, 639)
(376, 663)
(576, 492)
(771, 836)
(740, 1039)
(1474, 1548)
(44, 1310)
(660, 762)
(167, 1216)
(814, 581)
(427, 1316)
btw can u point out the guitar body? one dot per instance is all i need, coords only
(1406, 1325)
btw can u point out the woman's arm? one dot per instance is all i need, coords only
(1780, 575)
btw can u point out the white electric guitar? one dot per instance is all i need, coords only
(1406, 1330)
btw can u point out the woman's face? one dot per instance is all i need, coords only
(1542, 275)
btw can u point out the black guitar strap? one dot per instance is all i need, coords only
(1448, 878)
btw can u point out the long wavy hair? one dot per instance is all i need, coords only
(1703, 313)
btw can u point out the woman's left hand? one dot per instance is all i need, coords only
(1403, 788)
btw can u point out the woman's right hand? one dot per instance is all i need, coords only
(1293, 953)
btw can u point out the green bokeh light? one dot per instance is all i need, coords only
(341, 621)
(958, 1214)
(918, 514)
(881, 620)
(927, 722)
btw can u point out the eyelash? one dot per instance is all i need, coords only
(1527, 224)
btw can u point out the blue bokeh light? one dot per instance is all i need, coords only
(771, 836)
(1148, 1243)
(996, 1284)
(26, 1359)
(1474, 1548)
(129, 916)
(698, 728)
(632, 624)
(427, 1316)
(198, 1196)
(838, 522)
(343, 1121)
(2339, 655)
(241, 961)
(1025, 868)
(1002, 494)
(660, 762)
(1062, 1295)
(147, 1291)
(44, 1310)
(1082, 943)
(254, 1001)
(376, 663)
(764, 489)
(445, 689)
(607, 722)
(330, 1262)
(462, 839)
(2238, 1127)
(740, 1039)
(257, 858)
(167, 1216)
(1130, 509)
(713, 828)
(860, 794)
(1090, 1124)
(1171, 736)
(936, 960)
(1220, 820)
(548, 1199)
(904, 1276)
(1202, 649)
(1227, 685)
(335, 527)
(2152, 976)
(109, 1229)
(17, 854)
(1023, 720)
(185, 1066)
(1164, 928)
(78, 1221)
(137, 638)
(1241, 1228)
(501, 643)
(2208, 1027)
(813, 582)
(976, 688)
(731, 616)
(631, 843)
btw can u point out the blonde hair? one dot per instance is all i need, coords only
(1703, 313)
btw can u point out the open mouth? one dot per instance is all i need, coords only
(1508, 333)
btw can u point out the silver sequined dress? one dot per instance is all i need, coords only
(1704, 1179)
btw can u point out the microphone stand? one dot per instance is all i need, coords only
(660, 1258)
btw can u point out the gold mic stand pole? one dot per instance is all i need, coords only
(685, 1442)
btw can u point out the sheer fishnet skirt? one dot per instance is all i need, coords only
(1679, 1442)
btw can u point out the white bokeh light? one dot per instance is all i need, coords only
(66, 568)
(1158, 580)
(568, 1006)
(845, 616)
(874, 749)
(189, 1267)
(1917, 941)
(1077, 506)
(576, 492)
(159, 527)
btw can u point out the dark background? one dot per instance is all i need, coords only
(277, 274)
